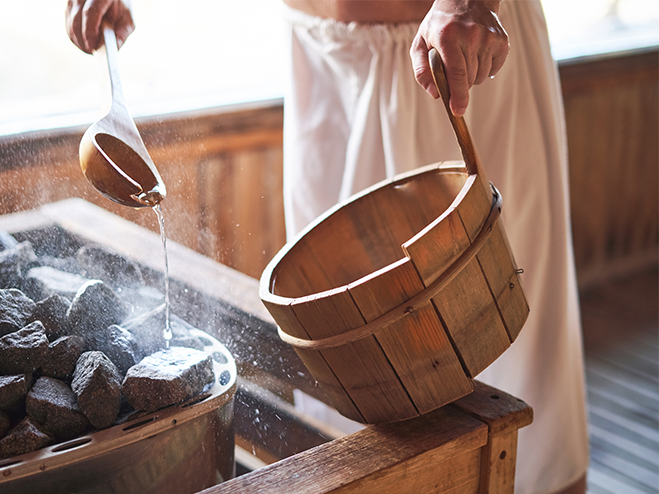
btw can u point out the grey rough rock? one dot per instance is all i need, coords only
(43, 281)
(140, 299)
(5, 424)
(103, 264)
(51, 311)
(168, 377)
(15, 310)
(62, 355)
(148, 330)
(97, 384)
(13, 390)
(66, 264)
(121, 348)
(93, 310)
(25, 437)
(54, 407)
(7, 241)
(14, 264)
(23, 351)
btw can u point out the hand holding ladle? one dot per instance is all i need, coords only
(113, 156)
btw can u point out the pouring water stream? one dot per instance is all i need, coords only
(115, 160)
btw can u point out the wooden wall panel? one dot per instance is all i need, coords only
(612, 114)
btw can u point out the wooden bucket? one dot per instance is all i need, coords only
(389, 332)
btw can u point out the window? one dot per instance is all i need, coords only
(183, 55)
(203, 53)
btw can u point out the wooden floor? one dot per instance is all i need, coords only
(621, 341)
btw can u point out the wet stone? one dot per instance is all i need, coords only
(15, 263)
(66, 264)
(54, 407)
(51, 311)
(97, 384)
(93, 310)
(43, 281)
(7, 241)
(121, 348)
(13, 390)
(168, 377)
(23, 351)
(148, 329)
(103, 264)
(140, 299)
(25, 437)
(62, 355)
(15, 310)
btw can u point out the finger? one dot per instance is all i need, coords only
(93, 13)
(421, 66)
(123, 27)
(498, 61)
(484, 68)
(457, 78)
(73, 22)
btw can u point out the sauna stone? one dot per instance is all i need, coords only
(23, 438)
(13, 390)
(121, 348)
(7, 241)
(62, 355)
(15, 310)
(54, 407)
(168, 377)
(43, 281)
(65, 264)
(103, 264)
(182, 334)
(93, 310)
(148, 329)
(51, 311)
(140, 299)
(15, 263)
(23, 351)
(97, 384)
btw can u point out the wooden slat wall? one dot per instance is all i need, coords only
(612, 113)
(223, 170)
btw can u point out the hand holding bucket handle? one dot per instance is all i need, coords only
(469, 153)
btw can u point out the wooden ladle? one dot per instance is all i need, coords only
(113, 156)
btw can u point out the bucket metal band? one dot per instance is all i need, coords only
(409, 306)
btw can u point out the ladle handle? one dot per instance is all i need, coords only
(469, 153)
(108, 59)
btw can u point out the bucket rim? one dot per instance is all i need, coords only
(268, 277)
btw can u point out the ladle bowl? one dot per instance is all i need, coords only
(113, 156)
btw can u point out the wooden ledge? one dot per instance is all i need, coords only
(500, 411)
(416, 454)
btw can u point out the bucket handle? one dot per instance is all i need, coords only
(472, 160)
(409, 306)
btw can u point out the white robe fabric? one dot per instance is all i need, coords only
(354, 115)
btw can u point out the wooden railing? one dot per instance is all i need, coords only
(223, 170)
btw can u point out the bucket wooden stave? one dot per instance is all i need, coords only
(397, 298)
